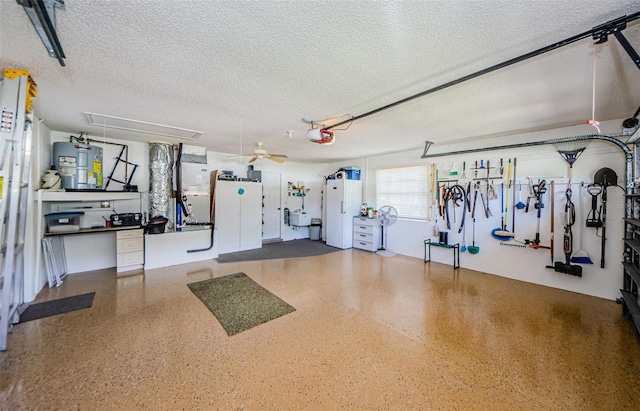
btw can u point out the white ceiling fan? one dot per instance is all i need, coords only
(259, 153)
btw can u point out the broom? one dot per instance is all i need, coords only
(581, 256)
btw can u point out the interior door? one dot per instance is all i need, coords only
(271, 211)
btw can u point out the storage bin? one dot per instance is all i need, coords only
(64, 222)
(353, 173)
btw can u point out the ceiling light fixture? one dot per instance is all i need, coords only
(120, 123)
(42, 16)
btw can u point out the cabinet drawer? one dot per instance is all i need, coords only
(364, 245)
(130, 244)
(129, 234)
(368, 237)
(363, 221)
(134, 258)
(363, 228)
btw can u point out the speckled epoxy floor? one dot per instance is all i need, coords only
(368, 333)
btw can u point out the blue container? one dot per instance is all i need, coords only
(353, 173)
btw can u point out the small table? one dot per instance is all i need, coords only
(454, 247)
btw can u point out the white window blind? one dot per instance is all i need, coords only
(405, 188)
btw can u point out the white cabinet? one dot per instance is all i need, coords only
(129, 250)
(366, 234)
(238, 215)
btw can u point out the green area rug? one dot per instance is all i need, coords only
(238, 302)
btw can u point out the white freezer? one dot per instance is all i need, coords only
(344, 199)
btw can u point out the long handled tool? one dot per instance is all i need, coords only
(513, 215)
(570, 216)
(538, 190)
(463, 227)
(473, 249)
(553, 207)
(488, 209)
(605, 177)
(436, 229)
(501, 233)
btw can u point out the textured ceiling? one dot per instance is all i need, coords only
(255, 69)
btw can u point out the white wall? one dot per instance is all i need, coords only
(538, 162)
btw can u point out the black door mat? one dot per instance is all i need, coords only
(238, 302)
(55, 307)
(282, 249)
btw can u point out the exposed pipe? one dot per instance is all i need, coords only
(610, 138)
(600, 31)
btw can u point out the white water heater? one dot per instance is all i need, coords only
(79, 165)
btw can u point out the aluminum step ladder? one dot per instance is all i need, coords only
(16, 96)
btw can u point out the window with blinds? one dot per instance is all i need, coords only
(406, 189)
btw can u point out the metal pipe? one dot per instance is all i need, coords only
(609, 138)
(628, 153)
(526, 56)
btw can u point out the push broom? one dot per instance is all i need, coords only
(501, 233)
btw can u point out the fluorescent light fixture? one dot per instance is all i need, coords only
(43, 17)
(137, 126)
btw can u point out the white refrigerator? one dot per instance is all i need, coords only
(344, 199)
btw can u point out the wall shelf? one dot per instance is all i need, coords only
(85, 196)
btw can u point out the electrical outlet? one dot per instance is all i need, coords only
(199, 179)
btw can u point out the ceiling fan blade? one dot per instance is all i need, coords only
(253, 159)
(277, 160)
(279, 155)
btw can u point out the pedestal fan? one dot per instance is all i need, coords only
(387, 216)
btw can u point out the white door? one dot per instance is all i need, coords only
(271, 211)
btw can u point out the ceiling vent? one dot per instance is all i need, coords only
(119, 123)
